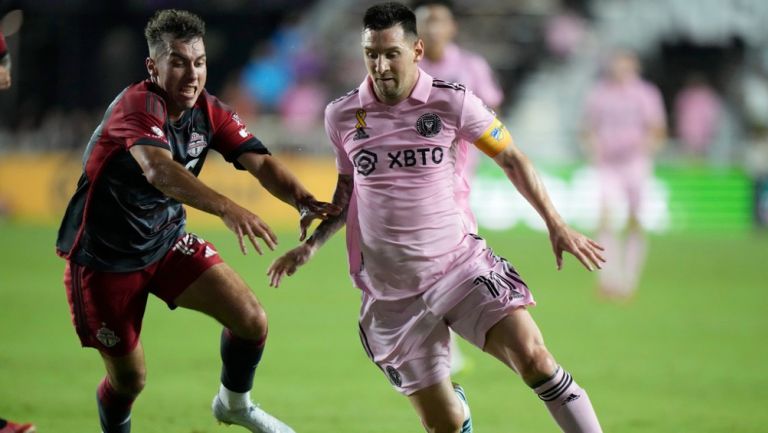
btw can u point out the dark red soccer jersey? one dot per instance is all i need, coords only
(116, 220)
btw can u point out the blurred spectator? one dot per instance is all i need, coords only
(697, 114)
(625, 126)
(564, 33)
(5, 64)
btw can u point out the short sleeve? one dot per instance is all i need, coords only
(231, 137)
(343, 164)
(485, 85)
(139, 120)
(654, 107)
(476, 117)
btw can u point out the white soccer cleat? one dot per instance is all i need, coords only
(253, 418)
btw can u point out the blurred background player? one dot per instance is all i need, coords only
(625, 127)
(421, 271)
(7, 426)
(124, 236)
(5, 64)
(445, 60)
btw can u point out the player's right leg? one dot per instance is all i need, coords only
(107, 310)
(116, 393)
(410, 345)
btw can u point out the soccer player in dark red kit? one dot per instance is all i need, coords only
(124, 237)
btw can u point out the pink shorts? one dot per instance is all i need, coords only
(410, 343)
(625, 182)
(108, 307)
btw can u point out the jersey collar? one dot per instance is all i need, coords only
(419, 93)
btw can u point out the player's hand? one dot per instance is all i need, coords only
(5, 78)
(288, 263)
(246, 224)
(311, 209)
(588, 252)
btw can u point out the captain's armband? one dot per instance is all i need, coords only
(495, 139)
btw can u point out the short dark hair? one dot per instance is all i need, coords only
(447, 3)
(179, 24)
(385, 15)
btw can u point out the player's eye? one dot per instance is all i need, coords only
(371, 55)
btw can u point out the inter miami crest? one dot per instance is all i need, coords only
(429, 125)
(394, 376)
(365, 161)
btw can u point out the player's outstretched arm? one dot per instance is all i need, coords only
(281, 183)
(288, 263)
(176, 182)
(521, 172)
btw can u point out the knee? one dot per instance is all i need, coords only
(449, 421)
(253, 323)
(535, 364)
(130, 382)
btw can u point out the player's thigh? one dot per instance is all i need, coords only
(517, 342)
(438, 405)
(127, 373)
(488, 299)
(192, 275)
(107, 307)
(222, 294)
(406, 341)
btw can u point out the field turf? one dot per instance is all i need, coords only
(688, 355)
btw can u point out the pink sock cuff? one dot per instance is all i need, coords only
(555, 386)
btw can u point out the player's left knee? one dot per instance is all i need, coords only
(536, 364)
(253, 324)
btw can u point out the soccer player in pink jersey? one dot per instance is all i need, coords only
(421, 271)
(5, 64)
(445, 60)
(625, 127)
(124, 231)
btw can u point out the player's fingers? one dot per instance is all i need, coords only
(252, 237)
(269, 236)
(583, 259)
(593, 257)
(595, 245)
(241, 241)
(303, 233)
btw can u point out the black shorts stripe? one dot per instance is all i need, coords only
(78, 306)
(364, 341)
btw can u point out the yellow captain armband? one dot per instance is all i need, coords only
(495, 139)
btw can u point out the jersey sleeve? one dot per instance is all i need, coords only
(231, 137)
(140, 120)
(654, 107)
(485, 85)
(479, 125)
(343, 164)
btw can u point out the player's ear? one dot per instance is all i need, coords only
(151, 67)
(418, 49)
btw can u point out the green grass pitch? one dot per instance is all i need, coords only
(688, 355)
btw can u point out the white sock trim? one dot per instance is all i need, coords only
(234, 400)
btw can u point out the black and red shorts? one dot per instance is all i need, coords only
(108, 307)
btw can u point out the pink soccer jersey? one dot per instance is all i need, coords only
(471, 70)
(621, 116)
(405, 232)
(465, 67)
